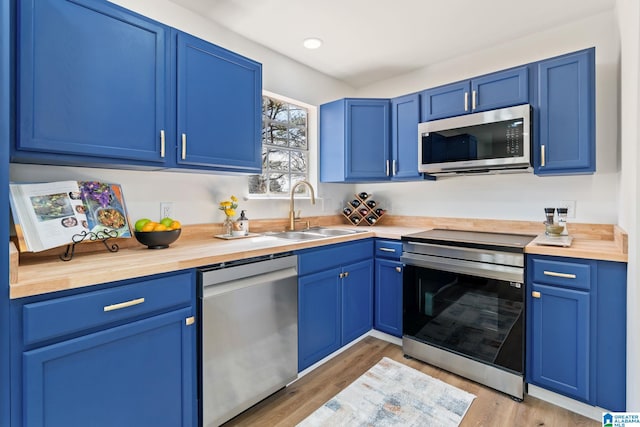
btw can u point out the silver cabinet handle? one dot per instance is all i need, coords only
(393, 168)
(184, 146)
(162, 144)
(542, 160)
(125, 304)
(474, 96)
(466, 101)
(387, 168)
(563, 275)
(399, 269)
(535, 294)
(387, 249)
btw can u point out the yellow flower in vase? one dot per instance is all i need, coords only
(229, 208)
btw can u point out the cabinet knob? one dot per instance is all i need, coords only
(346, 274)
(535, 294)
(189, 320)
(399, 269)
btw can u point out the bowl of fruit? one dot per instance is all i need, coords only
(157, 235)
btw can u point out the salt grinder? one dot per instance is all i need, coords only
(562, 220)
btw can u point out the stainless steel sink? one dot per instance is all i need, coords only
(313, 233)
(296, 235)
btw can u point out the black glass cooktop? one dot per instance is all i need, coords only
(472, 239)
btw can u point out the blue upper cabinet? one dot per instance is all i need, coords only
(219, 97)
(566, 115)
(445, 101)
(93, 84)
(405, 116)
(98, 88)
(355, 140)
(497, 90)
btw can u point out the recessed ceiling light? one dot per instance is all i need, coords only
(312, 43)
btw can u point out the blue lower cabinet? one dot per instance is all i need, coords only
(132, 375)
(120, 354)
(576, 328)
(318, 316)
(357, 300)
(560, 340)
(335, 298)
(388, 297)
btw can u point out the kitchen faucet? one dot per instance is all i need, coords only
(292, 213)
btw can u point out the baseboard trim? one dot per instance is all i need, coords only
(593, 412)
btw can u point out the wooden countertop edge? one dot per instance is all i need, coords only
(35, 277)
(14, 260)
(621, 238)
(128, 268)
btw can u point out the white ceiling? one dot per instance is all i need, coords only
(370, 40)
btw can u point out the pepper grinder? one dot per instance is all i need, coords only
(562, 220)
(549, 214)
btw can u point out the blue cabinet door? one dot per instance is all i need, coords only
(136, 374)
(355, 140)
(405, 115)
(445, 101)
(566, 115)
(219, 96)
(368, 143)
(498, 90)
(318, 316)
(388, 297)
(93, 84)
(357, 300)
(558, 340)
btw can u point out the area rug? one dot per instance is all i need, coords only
(393, 394)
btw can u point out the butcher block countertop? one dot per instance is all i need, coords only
(34, 274)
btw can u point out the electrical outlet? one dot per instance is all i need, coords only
(571, 207)
(166, 210)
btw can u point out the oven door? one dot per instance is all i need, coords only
(478, 317)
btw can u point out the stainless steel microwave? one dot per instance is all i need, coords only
(495, 141)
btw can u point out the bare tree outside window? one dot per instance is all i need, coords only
(285, 152)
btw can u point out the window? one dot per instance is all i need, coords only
(285, 149)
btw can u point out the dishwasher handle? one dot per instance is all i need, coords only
(236, 284)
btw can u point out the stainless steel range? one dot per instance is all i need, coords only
(463, 304)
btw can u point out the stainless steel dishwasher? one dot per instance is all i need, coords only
(248, 333)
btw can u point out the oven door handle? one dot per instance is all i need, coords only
(471, 268)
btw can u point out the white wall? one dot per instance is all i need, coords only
(629, 21)
(195, 195)
(520, 196)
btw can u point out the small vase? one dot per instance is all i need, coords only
(227, 226)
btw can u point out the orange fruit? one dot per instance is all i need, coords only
(160, 227)
(148, 226)
(175, 225)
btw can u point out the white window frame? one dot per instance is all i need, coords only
(312, 148)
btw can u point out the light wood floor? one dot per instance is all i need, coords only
(490, 408)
